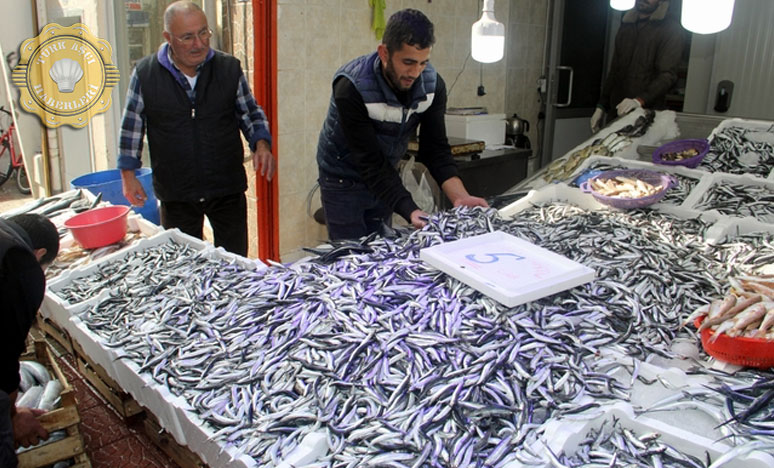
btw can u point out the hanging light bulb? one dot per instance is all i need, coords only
(707, 16)
(487, 36)
(622, 5)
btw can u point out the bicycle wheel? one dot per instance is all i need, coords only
(6, 164)
(22, 182)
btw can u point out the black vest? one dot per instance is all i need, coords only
(195, 148)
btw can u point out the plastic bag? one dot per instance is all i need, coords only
(420, 191)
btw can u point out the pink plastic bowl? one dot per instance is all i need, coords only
(99, 227)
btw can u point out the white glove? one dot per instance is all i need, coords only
(627, 105)
(596, 120)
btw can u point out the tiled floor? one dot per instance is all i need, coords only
(110, 442)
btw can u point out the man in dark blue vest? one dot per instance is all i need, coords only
(377, 103)
(28, 243)
(193, 101)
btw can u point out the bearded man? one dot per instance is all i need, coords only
(378, 101)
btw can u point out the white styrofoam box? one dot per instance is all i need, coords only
(151, 395)
(489, 128)
(199, 437)
(244, 262)
(563, 193)
(754, 125)
(157, 239)
(312, 447)
(670, 382)
(720, 178)
(593, 161)
(93, 346)
(560, 192)
(135, 224)
(564, 436)
(506, 268)
(663, 128)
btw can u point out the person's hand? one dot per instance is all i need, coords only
(471, 201)
(263, 160)
(627, 105)
(596, 120)
(27, 430)
(132, 188)
(419, 219)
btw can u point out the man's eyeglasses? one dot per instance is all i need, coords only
(188, 39)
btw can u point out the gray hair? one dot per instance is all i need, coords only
(182, 6)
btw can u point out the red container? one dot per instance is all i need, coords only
(99, 227)
(742, 351)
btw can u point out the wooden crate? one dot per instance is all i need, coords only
(58, 334)
(181, 454)
(122, 402)
(65, 417)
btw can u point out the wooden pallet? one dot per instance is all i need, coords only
(181, 454)
(122, 402)
(65, 417)
(53, 331)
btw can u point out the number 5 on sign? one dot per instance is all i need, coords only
(508, 269)
(493, 257)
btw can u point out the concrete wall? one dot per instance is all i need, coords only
(318, 36)
(13, 32)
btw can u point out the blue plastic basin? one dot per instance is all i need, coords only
(108, 183)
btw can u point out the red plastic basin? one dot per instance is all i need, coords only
(99, 227)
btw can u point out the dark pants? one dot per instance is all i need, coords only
(7, 447)
(227, 215)
(351, 210)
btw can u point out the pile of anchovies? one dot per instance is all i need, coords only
(613, 445)
(400, 364)
(739, 200)
(732, 146)
(674, 196)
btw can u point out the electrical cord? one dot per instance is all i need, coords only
(309, 200)
(448, 95)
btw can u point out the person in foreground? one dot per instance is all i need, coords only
(378, 101)
(192, 101)
(647, 51)
(28, 243)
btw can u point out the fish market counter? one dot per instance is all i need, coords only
(378, 359)
(375, 358)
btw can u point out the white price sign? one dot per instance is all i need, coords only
(511, 270)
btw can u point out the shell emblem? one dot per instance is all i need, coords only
(65, 75)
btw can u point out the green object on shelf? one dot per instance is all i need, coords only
(378, 23)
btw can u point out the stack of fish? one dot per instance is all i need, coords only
(739, 200)
(741, 150)
(747, 310)
(398, 363)
(38, 390)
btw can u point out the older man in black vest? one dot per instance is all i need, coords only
(193, 101)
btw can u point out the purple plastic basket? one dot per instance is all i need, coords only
(651, 177)
(700, 145)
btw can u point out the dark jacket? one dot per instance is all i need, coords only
(393, 121)
(645, 60)
(195, 147)
(22, 286)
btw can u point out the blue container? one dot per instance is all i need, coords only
(108, 183)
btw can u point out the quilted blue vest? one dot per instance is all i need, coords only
(393, 122)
